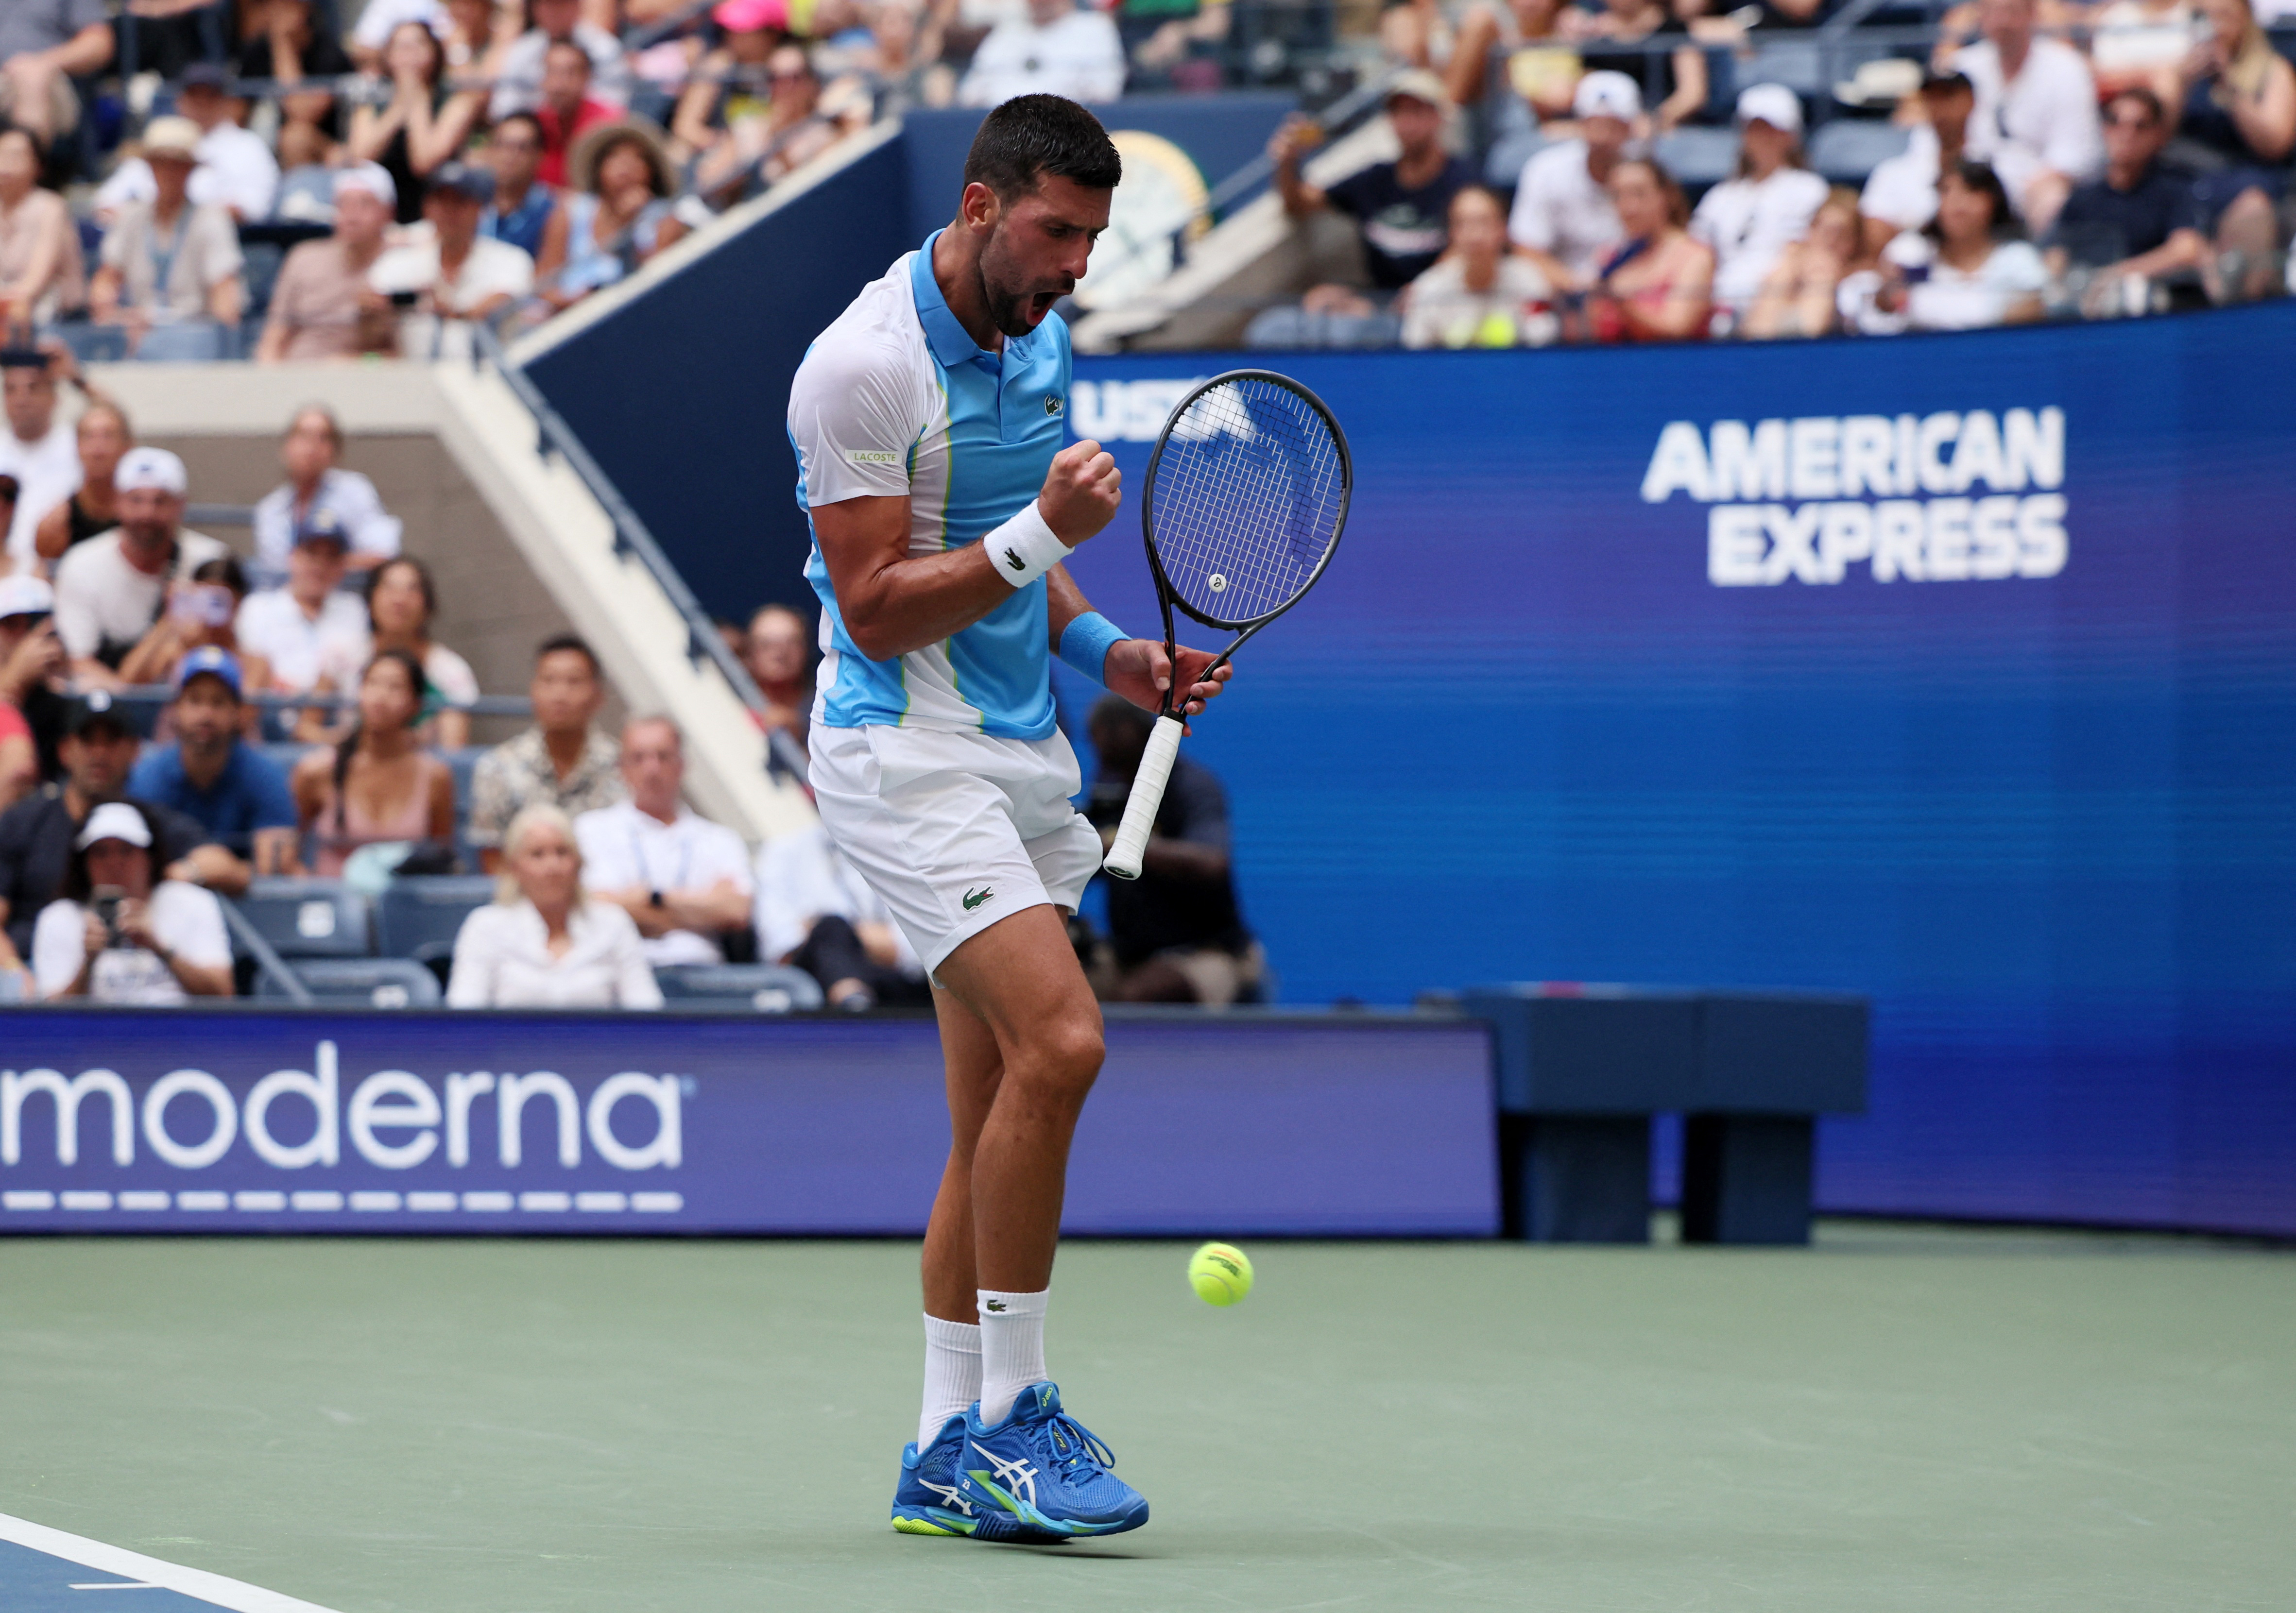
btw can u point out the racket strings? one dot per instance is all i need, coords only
(1248, 491)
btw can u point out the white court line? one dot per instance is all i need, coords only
(229, 1593)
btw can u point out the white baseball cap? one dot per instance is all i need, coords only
(1771, 104)
(23, 595)
(371, 177)
(1607, 94)
(151, 468)
(114, 821)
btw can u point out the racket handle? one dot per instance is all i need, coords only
(1147, 795)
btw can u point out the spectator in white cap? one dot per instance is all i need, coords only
(1766, 205)
(236, 169)
(1562, 209)
(1621, 36)
(456, 275)
(322, 307)
(118, 933)
(111, 589)
(171, 266)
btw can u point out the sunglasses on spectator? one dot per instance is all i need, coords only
(2139, 122)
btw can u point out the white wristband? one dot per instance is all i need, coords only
(1025, 548)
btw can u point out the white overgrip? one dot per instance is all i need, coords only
(1147, 795)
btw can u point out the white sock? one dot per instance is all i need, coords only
(1011, 1349)
(952, 1374)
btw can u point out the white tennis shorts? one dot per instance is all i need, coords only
(954, 830)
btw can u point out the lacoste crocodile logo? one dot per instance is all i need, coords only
(995, 1305)
(974, 899)
(1013, 559)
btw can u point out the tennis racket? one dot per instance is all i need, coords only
(1247, 493)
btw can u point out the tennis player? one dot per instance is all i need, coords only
(928, 422)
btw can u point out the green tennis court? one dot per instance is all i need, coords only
(1900, 1417)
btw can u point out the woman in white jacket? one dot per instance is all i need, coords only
(541, 942)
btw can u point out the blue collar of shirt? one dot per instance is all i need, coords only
(949, 339)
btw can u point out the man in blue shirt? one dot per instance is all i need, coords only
(928, 420)
(231, 790)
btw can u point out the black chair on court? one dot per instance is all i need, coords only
(361, 983)
(767, 988)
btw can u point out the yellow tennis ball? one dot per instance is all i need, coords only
(1220, 1273)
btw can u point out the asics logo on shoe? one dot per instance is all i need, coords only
(996, 1304)
(1017, 1476)
(948, 1495)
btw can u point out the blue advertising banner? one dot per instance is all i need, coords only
(1955, 671)
(155, 1120)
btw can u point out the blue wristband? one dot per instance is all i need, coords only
(1086, 641)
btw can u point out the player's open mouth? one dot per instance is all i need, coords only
(1041, 304)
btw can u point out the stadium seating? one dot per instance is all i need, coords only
(310, 917)
(419, 917)
(1848, 148)
(361, 983)
(770, 988)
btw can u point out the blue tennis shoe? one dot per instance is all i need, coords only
(927, 1502)
(1041, 1469)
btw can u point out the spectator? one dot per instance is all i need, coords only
(116, 934)
(2036, 119)
(456, 276)
(39, 451)
(815, 914)
(2240, 111)
(1798, 299)
(478, 35)
(1176, 930)
(621, 215)
(1563, 204)
(562, 761)
(1401, 211)
(2141, 43)
(401, 600)
(377, 786)
(423, 124)
(378, 20)
(2140, 223)
(110, 590)
(1054, 50)
(566, 112)
(787, 135)
(1614, 40)
(200, 616)
(1658, 284)
(1900, 194)
(307, 180)
(1515, 52)
(542, 943)
(1479, 294)
(101, 438)
(35, 835)
(289, 45)
(1176, 43)
(170, 269)
(231, 790)
(1766, 205)
(316, 483)
(525, 213)
(41, 274)
(31, 661)
(308, 624)
(236, 168)
(321, 307)
(683, 881)
(44, 45)
(731, 84)
(779, 658)
(518, 86)
(1966, 269)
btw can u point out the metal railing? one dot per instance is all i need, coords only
(268, 961)
(633, 538)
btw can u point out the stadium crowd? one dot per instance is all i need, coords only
(188, 179)
(313, 730)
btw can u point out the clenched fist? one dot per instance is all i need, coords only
(1081, 493)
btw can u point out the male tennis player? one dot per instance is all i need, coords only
(928, 422)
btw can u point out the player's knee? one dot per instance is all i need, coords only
(1071, 1050)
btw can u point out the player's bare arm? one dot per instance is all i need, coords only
(1137, 668)
(894, 602)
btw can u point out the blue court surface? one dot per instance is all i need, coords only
(45, 1570)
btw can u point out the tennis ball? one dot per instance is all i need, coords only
(1220, 1273)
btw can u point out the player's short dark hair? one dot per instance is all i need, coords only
(571, 642)
(1031, 137)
